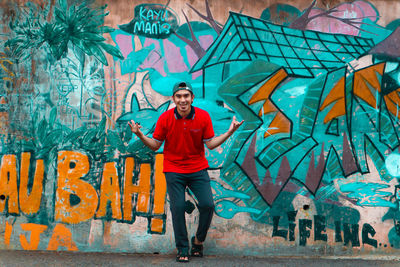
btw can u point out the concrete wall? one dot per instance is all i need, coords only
(313, 170)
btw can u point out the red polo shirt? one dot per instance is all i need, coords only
(184, 139)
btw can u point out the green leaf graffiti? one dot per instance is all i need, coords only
(51, 136)
(78, 26)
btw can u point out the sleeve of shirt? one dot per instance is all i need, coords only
(160, 130)
(208, 129)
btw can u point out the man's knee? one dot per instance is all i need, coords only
(207, 206)
(178, 207)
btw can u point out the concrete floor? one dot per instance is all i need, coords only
(47, 259)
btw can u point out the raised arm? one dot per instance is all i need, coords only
(217, 141)
(149, 142)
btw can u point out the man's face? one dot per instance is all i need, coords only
(183, 99)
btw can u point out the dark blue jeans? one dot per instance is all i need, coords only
(199, 184)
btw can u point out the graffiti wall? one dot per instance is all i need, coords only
(314, 169)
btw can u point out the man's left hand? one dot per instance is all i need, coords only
(234, 125)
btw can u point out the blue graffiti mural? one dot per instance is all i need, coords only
(318, 90)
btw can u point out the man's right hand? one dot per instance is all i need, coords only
(135, 127)
(149, 142)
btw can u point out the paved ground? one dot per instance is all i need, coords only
(47, 259)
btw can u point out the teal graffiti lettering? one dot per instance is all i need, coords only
(141, 13)
(366, 230)
(320, 228)
(150, 15)
(276, 231)
(148, 28)
(153, 28)
(166, 28)
(165, 17)
(139, 27)
(345, 233)
(158, 14)
(304, 225)
(292, 225)
(351, 234)
(149, 22)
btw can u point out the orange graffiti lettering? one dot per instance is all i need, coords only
(62, 237)
(7, 234)
(36, 230)
(3, 59)
(142, 190)
(8, 184)
(336, 95)
(72, 166)
(280, 123)
(157, 225)
(30, 203)
(109, 192)
(366, 83)
(392, 101)
(160, 190)
(76, 200)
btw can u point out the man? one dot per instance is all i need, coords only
(184, 130)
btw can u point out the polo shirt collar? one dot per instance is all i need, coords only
(189, 117)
